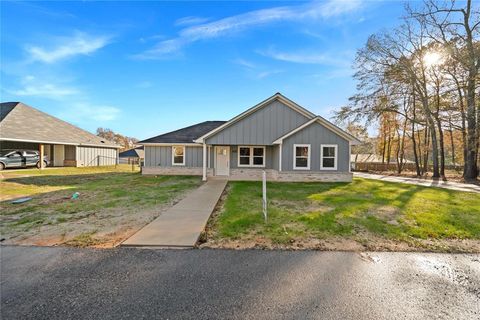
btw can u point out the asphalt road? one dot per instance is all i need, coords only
(127, 283)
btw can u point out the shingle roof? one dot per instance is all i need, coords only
(187, 134)
(137, 152)
(20, 122)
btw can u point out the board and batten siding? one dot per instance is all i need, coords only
(161, 156)
(95, 156)
(316, 135)
(261, 127)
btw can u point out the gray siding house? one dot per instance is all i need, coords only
(277, 135)
(24, 127)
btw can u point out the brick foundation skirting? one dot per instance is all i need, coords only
(254, 174)
(175, 171)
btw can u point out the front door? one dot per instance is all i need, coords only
(222, 162)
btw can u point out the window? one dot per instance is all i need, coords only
(178, 155)
(251, 156)
(244, 156)
(301, 157)
(328, 157)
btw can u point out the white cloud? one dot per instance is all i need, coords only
(255, 70)
(98, 112)
(34, 87)
(186, 21)
(144, 84)
(77, 106)
(244, 63)
(229, 25)
(79, 44)
(83, 112)
(266, 74)
(339, 59)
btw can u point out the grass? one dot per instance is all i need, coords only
(358, 210)
(110, 199)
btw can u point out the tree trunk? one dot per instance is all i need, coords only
(442, 148)
(433, 134)
(389, 148)
(471, 171)
(452, 145)
(420, 152)
(426, 147)
(414, 141)
(384, 144)
(401, 148)
(471, 160)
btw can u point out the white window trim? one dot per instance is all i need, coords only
(335, 158)
(295, 156)
(251, 157)
(173, 155)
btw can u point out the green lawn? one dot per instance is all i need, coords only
(112, 202)
(361, 211)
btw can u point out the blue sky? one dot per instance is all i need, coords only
(144, 68)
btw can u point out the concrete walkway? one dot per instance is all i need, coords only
(181, 225)
(422, 182)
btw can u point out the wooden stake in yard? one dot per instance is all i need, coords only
(264, 192)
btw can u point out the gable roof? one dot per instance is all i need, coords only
(277, 96)
(325, 123)
(185, 135)
(289, 103)
(137, 152)
(20, 122)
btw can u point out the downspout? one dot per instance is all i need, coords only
(349, 157)
(280, 157)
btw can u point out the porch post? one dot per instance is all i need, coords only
(42, 157)
(204, 176)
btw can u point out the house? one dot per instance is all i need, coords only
(134, 155)
(277, 135)
(24, 127)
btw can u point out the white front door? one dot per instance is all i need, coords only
(222, 161)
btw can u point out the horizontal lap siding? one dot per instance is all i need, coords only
(316, 135)
(161, 156)
(261, 127)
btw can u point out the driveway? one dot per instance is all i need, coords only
(131, 283)
(421, 182)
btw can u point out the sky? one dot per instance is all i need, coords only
(145, 68)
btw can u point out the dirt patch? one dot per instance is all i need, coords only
(300, 208)
(389, 214)
(348, 244)
(104, 229)
(258, 242)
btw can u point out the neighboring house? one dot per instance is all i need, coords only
(134, 155)
(277, 135)
(24, 127)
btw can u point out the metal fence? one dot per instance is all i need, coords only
(103, 161)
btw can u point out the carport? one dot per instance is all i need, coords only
(24, 127)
